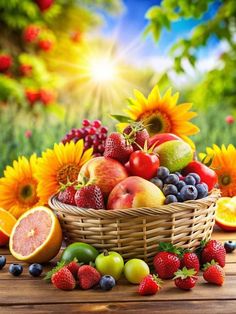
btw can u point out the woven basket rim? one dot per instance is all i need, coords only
(133, 212)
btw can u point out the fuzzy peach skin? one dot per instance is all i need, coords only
(135, 192)
(104, 172)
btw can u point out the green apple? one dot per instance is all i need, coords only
(135, 270)
(110, 263)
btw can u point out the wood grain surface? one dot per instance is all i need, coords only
(26, 294)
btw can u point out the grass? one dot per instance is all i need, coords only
(46, 130)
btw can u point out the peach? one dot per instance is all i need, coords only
(104, 172)
(134, 192)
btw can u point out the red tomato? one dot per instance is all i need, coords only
(206, 174)
(143, 164)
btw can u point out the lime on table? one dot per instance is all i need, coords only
(175, 155)
(83, 252)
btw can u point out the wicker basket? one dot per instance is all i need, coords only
(136, 232)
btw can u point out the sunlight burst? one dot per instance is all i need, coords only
(102, 70)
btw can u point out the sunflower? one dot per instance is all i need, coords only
(18, 187)
(223, 162)
(58, 166)
(161, 114)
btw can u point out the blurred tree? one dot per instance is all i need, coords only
(218, 85)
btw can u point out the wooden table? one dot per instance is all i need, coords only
(26, 294)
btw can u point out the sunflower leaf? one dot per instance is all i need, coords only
(121, 118)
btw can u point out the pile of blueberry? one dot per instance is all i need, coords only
(177, 188)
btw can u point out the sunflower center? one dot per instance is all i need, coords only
(68, 173)
(27, 192)
(156, 122)
(225, 179)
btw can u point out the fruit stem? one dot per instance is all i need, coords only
(105, 253)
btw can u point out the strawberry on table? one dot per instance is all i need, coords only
(73, 267)
(88, 277)
(166, 262)
(213, 250)
(190, 260)
(150, 285)
(185, 279)
(213, 273)
(118, 147)
(89, 196)
(63, 279)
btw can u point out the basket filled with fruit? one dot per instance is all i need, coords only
(138, 189)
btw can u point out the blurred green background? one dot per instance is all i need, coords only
(50, 49)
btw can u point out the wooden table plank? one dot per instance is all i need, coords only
(174, 307)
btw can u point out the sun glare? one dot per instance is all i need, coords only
(102, 70)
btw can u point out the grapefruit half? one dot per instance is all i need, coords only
(7, 222)
(37, 236)
(226, 213)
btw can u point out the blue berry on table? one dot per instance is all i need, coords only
(172, 179)
(15, 269)
(170, 199)
(196, 177)
(170, 189)
(180, 184)
(163, 172)
(107, 282)
(158, 182)
(189, 192)
(35, 269)
(2, 261)
(230, 246)
(202, 190)
(189, 180)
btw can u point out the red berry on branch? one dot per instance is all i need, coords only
(32, 96)
(45, 44)
(47, 97)
(28, 133)
(76, 36)
(229, 119)
(44, 5)
(31, 33)
(25, 69)
(5, 62)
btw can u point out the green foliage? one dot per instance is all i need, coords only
(10, 87)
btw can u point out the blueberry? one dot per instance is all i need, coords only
(189, 180)
(107, 282)
(179, 197)
(202, 190)
(35, 270)
(163, 172)
(157, 182)
(180, 184)
(188, 192)
(178, 174)
(170, 189)
(15, 269)
(170, 199)
(2, 261)
(230, 246)
(172, 179)
(196, 177)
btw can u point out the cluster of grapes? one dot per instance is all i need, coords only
(177, 188)
(93, 133)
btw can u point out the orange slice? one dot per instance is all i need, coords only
(7, 222)
(226, 213)
(37, 236)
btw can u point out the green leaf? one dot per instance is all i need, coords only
(121, 118)
(153, 13)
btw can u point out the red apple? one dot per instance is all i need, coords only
(160, 138)
(135, 192)
(104, 172)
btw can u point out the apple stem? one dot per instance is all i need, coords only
(105, 253)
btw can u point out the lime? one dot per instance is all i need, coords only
(83, 252)
(175, 155)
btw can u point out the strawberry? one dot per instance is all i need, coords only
(44, 5)
(73, 267)
(5, 62)
(166, 261)
(88, 277)
(213, 273)
(89, 196)
(117, 147)
(31, 33)
(138, 134)
(185, 279)
(149, 285)
(63, 279)
(67, 194)
(213, 250)
(190, 260)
